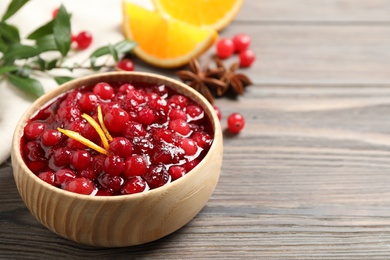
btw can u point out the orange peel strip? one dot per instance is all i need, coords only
(101, 121)
(98, 129)
(76, 136)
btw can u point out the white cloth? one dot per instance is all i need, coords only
(100, 17)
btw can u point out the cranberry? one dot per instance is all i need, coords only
(34, 151)
(37, 166)
(176, 172)
(126, 88)
(157, 176)
(125, 64)
(80, 185)
(163, 134)
(103, 90)
(63, 176)
(55, 12)
(167, 153)
(47, 176)
(202, 139)
(135, 165)
(180, 126)
(98, 162)
(114, 165)
(116, 120)
(235, 123)
(88, 173)
(136, 96)
(134, 129)
(83, 40)
(135, 185)
(67, 115)
(189, 146)
(146, 116)
(176, 113)
(191, 165)
(241, 42)
(88, 102)
(90, 133)
(121, 146)
(247, 57)
(178, 101)
(81, 159)
(33, 130)
(111, 182)
(225, 48)
(194, 113)
(51, 137)
(61, 156)
(74, 144)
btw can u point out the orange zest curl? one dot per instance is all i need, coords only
(103, 126)
(98, 129)
(76, 136)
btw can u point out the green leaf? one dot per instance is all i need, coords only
(62, 80)
(114, 52)
(19, 51)
(121, 47)
(5, 69)
(125, 46)
(62, 31)
(3, 45)
(13, 7)
(9, 33)
(29, 85)
(46, 43)
(100, 52)
(41, 63)
(51, 64)
(42, 31)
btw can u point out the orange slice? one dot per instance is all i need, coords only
(163, 41)
(215, 14)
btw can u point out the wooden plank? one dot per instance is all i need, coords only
(328, 11)
(297, 54)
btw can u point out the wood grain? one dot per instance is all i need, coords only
(308, 178)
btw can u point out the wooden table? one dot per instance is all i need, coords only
(309, 177)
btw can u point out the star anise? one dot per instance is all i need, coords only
(206, 81)
(234, 81)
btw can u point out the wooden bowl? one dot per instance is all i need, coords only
(124, 220)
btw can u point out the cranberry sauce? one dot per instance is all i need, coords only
(155, 136)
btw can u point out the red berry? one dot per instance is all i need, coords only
(114, 165)
(241, 42)
(176, 172)
(55, 12)
(194, 113)
(88, 173)
(37, 166)
(135, 165)
(179, 126)
(247, 57)
(121, 146)
(225, 48)
(189, 146)
(146, 116)
(191, 165)
(176, 113)
(88, 102)
(111, 182)
(63, 176)
(83, 40)
(80, 185)
(81, 159)
(235, 123)
(202, 139)
(47, 176)
(116, 120)
(51, 137)
(125, 64)
(61, 156)
(135, 185)
(98, 162)
(103, 90)
(157, 176)
(33, 151)
(178, 101)
(33, 130)
(134, 129)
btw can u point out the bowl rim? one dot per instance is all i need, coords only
(58, 91)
